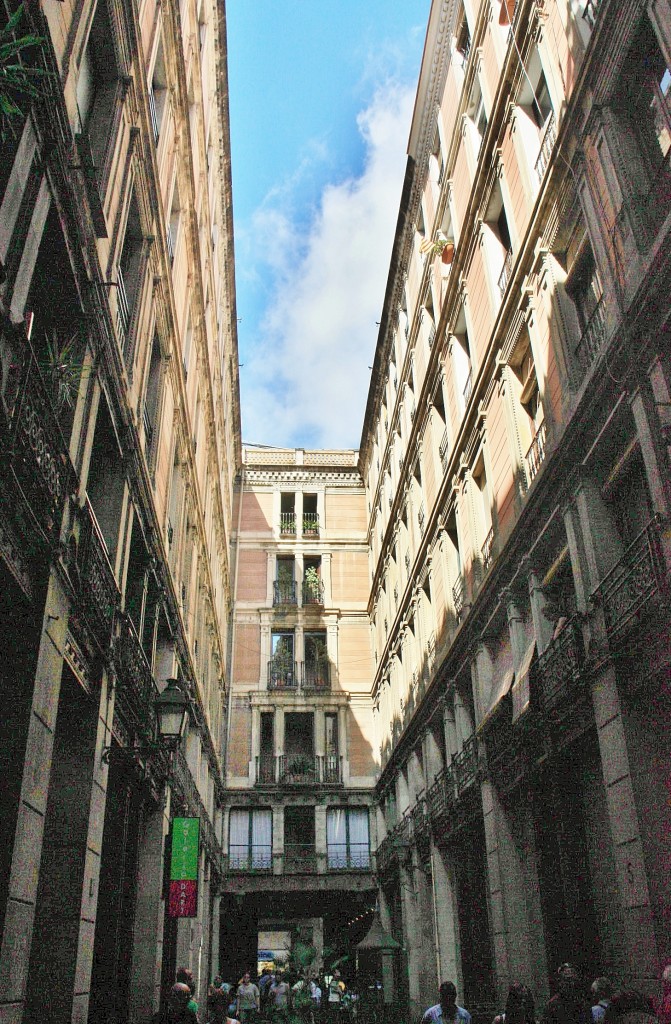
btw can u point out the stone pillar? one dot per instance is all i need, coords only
(149, 917)
(321, 837)
(215, 919)
(446, 920)
(278, 838)
(411, 940)
(433, 757)
(654, 452)
(343, 741)
(482, 679)
(543, 627)
(451, 744)
(601, 541)
(326, 578)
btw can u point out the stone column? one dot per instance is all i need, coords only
(215, 919)
(278, 838)
(433, 757)
(446, 920)
(449, 725)
(326, 578)
(543, 627)
(149, 917)
(411, 940)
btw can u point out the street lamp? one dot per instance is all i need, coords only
(172, 707)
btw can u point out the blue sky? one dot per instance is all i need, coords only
(321, 97)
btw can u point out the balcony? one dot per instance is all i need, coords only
(506, 754)
(593, 337)
(488, 549)
(468, 387)
(547, 145)
(300, 858)
(536, 453)
(136, 690)
(153, 114)
(287, 524)
(312, 593)
(348, 857)
(421, 520)
(506, 271)
(559, 670)
(282, 674)
(459, 596)
(443, 451)
(299, 770)
(284, 592)
(465, 766)
(421, 826)
(250, 858)
(122, 310)
(98, 588)
(629, 590)
(386, 855)
(317, 676)
(310, 524)
(591, 11)
(39, 456)
(440, 797)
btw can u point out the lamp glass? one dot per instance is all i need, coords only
(172, 707)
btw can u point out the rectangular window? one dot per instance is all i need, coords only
(347, 839)
(282, 667)
(250, 840)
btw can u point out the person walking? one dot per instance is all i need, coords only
(218, 1008)
(248, 1000)
(601, 990)
(278, 995)
(519, 1006)
(446, 1010)
(184, 976)
(335, 993)
(569, 1005)
(177, 1010)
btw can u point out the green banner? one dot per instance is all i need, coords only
(184, 859)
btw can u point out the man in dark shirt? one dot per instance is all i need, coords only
(178, 1010)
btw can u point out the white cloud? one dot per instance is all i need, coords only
(306, 377)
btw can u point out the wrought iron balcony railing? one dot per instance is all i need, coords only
(300, 858)
(39, 455)
(459, 595)
(266, 769)
(282, 674)
(288, 524)
(440, 796)
(153, 114)
(317, 676)
(284, 592)
(98, 585)
(559, 668)
(421, 520)
(250, 857)
(465, 766)
(593, 337)
(506, 270)
(330, 769)
(310, 770)
(348, 857)
(536, 454)
(488, 549)
(310, 524)
(628, 589)
(443, 451)
(547, 145)
(468, 387)
(386, 854)
(312, 592)
(421, 826)
(136, 689)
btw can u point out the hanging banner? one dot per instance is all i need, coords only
(183, 895)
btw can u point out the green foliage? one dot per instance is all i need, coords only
(19, 81)
(61, 369)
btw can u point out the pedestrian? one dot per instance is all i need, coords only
(519, 1006)
(316, 995)
(446, 1010)
(630, 1007)
(569, 1005)
(663, 1006)
(184, 976)
(602, 991)
(278, 994)
(218, 1008)
(336, 991)
(177, 1010)
(248, 999)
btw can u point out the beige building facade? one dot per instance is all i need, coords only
(120, 440)
(300, 767)
(516, 464)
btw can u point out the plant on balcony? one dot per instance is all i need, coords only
(19, 82)
(312, 582)
(310, 525)
(300, 766)
(61, 368)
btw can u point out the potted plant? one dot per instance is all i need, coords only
(299, 767)
(312, 581)
(19, 82)
(444, 247)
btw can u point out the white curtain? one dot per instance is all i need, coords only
(262, 839)
(358, 837)
(336, 837)
(238, 838)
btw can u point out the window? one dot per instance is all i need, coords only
(152, 403)
(347, 840)
(316, 669)
(313, 587)
(463, 40)
(173, 224)
(250, 840)
(310, 516)
(643, 99)
(498, 245)
(158, 92)
(284, 587)
(128, 278)
(531, 423)
(584, 289)
(288, 515)
(98, 86)
(478, 117)
(281, 667)
(461, 358)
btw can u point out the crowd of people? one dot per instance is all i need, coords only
(574, 1002)
(277, 994)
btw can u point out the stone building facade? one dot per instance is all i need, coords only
(300, 767)
(515, 455)
(120, 439)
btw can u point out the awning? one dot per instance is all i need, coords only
(499, 690)
(521, 691)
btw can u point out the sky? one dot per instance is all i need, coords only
(321, 98)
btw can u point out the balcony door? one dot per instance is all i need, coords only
(299, 746)
(299, 838)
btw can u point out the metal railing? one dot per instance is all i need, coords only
(459, 595)
(559, 667)
(266, 769)
(348, 856)
(308, 769)
(288, 523)
(443, 451)
(170, 246)
(284, 592)
(317, 676)
(282, 674)
(632, 583)
(153, 114)
(313, 592)
(421, 519)
(590, 12)
(250, 857)
(468, 387)
(300, 857)
(465, 766)
(546, 147)
(487, 549)
(310, 524)
(506, 270)
(148, 425)
(593, 336)
(536, 453)
(136, 689)
(122, 309)
(98, 585)
(440, 796)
